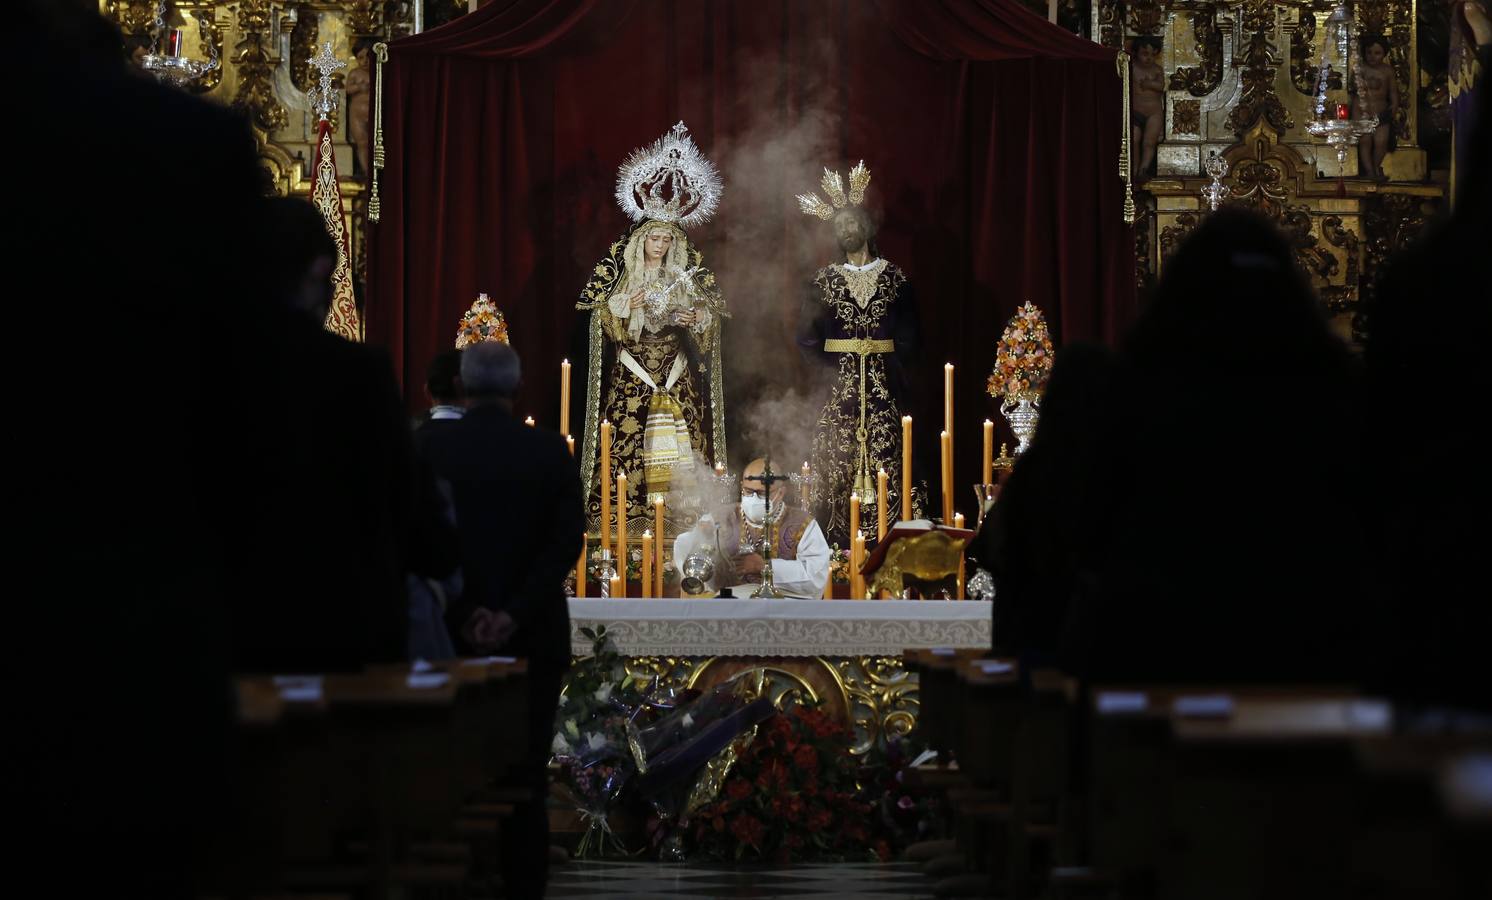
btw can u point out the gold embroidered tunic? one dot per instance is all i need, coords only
(860, 322)
(644, 369)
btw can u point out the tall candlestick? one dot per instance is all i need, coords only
(570, 442)
(564, 397)
(946, 440)
(988, 470)
(881, 477)
(958, 522)
(529, 421)
(658, 563)
(906, 468)
(604, 474)
(829, 585)
(580, 566)
(621, 529)
(647, 563)
(803, 492)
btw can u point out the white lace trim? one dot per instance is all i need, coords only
(780, 628)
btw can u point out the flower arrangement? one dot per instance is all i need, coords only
(839, 565)
(1023, 358)
(483, 322)
(791, 795)
(591, 737)
(905, 810)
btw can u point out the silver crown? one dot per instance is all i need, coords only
(670, 181)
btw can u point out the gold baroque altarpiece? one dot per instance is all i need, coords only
(1239, 76)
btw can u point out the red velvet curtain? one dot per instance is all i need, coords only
(992, 138)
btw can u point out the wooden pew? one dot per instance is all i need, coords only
(340, 780)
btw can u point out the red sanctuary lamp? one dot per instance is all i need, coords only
(1343, 112)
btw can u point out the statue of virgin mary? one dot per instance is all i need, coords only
(654, 367)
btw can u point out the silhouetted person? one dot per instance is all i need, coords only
(1041, 535)
(444, 393)
(1236, 550)
(1426, 357)
(519, 513)
(340, 518)
(129, 360)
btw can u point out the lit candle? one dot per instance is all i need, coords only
(947, 445)
(647, 563)
(621, 530)
(803, 486)
(906, 468)
(570, 442)
(605, 477)
(989, 452)
(616, 586)
(854, 515)
(881, 477)
(1343, 112)
(948, 424)
(829, 585)
(857, 544)
(580, 566)
(958, 522)
(529, 421)
(564, 397)
(948, 397)
(658, 563)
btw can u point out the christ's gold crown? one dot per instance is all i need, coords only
(833, 185)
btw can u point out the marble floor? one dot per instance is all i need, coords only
(632, 880)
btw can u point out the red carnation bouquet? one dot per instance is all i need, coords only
(792, 795)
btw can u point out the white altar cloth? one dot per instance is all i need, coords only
(677, 627)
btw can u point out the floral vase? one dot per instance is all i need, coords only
(1021, 411)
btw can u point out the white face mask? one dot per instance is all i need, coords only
(754, 508)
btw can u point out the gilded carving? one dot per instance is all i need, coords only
(256, 92)
(1390, 223)
(363, 17)
(304, 38)
(212, 37)
(1259, 59)
(1304, 62)
(1145, 16)
(876, 694)
(1342, 298)
(1110, 24)
(1172, 235)
(1186, 116)
(133, 16)
(1199, 81)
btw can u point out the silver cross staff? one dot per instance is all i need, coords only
(324, 99)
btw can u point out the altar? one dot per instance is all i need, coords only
(843, 654)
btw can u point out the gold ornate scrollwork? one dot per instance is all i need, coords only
(256, 92)
(1199, 81)
(1172, 235)
(304, 38)
(1258, 60)
(883, 699)
(1145, 16)
(1107, 15)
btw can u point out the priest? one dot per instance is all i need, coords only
(731, 539)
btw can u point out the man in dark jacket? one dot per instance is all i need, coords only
(520, 519)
